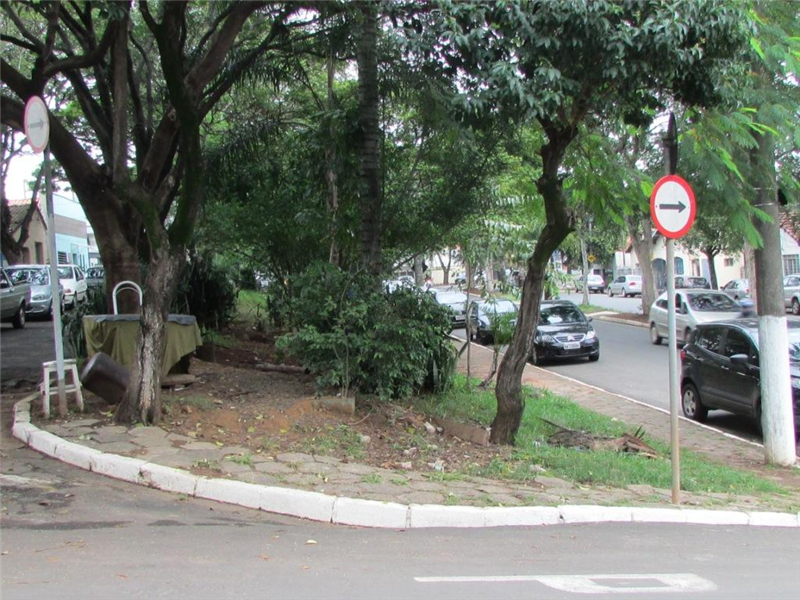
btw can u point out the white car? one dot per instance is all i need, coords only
(692, 307)
(626, 285)
(456, 302)
(791, 293)
(738, 289)
(74, 282)
(41, 299)
(594, 284)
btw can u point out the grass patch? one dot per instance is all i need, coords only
(223, 341)
(251, 308)
(609, 468)
(591, 308)
(240, 459)
(333, 440)
(372, 478)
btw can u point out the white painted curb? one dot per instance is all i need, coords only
(363, 513)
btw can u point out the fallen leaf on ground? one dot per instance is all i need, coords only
(311, 542)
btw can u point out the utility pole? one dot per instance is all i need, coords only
(777, 419)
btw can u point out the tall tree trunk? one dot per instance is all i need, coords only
(510, 404)
(369, 145)
(777, 420)
(419, 271)
(712, 269)
(330, 173)
(640, 230)
(142, 399)
(585, 263)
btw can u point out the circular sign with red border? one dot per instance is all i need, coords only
(672, 206)
(37, 124)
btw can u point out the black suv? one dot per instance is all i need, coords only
(720, 369)
(563, 332)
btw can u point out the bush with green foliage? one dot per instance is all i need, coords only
(353, 335)
(72, 332)
(206, 291)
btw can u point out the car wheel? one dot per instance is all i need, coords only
(19, 319)
(594, 357)
(50, 311)
(795, 307)
(655, 339)
(610, 293)
(686, 335)
(692, 407)
(758, 417)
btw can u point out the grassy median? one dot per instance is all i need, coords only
(608, 468)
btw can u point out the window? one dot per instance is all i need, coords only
(39, 250)
(62, 258)
(791, 264)
(695, 266)
(737, 343)
(728, 262)
(709, 339)
(662, 304)
(678, 265)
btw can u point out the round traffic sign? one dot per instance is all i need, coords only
(37, 124)
(672, 206)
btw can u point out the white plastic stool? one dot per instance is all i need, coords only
(71, 367)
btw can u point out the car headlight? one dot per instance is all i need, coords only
(591, 335)
(39, 297)
(546, 338)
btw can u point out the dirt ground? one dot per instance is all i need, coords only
(233, 403)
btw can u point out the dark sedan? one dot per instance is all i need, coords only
(483, 317)
(564, 332)
(720, 369)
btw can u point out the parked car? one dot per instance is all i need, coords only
(692, 283)
(720, 370)
(563, 332)
(626, 285)
(691, 308)
(791, 293)
(74, 282)
(737, 289)
(595, 283)
(481, 315)
(455, 301)
(14, 298)
(41, 299)
(394, 284)
(95, 277)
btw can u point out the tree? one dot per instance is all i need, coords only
(201, 50)
(559, 65)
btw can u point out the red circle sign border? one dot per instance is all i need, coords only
(692, 206)
(31, 100)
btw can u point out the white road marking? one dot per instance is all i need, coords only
(592, 584)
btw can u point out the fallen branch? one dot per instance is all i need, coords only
(570, 438)
(280, 368)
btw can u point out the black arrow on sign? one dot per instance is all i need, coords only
(38, 124)
(679, 206)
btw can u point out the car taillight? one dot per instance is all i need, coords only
(683, 354)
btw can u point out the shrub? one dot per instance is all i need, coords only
(206, 291)
(354, 336)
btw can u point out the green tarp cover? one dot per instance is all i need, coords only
(115, 335)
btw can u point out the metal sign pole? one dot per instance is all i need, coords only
(54, 291)
(674, 383)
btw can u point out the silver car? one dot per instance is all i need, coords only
(38, 276)
(626, 285)
(791, 293)
(738, 289)
(691, 308)
(456, 302)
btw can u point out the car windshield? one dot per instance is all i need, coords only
(554, 315)
(713, 303)
(498, 308)
(698, 282)
(32, 276)
(64, 273)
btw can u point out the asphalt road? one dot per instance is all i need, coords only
(22, 351)
(71, 534)
(631, 366)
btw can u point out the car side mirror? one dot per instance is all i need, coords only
(589, 319)
(742, 361)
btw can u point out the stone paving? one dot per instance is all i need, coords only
(337, 477)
